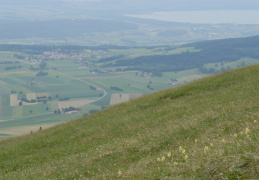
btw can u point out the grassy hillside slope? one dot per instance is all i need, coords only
(204, 130)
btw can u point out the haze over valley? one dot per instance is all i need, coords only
(125, 22)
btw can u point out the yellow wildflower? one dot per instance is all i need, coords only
(235, 135)
(241, 133)
(211, 145)
(186, 157)
(119, 173)
(195, 140)
(163, 159)
(255, 121)
(223, 140)
(169, 154)
(206, 149)
(175, 163)
(247, 131)
(158, 160)
(180, 148)
(183, 151)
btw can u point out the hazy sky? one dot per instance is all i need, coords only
(25, 18)
(72, 9)
(173, 4)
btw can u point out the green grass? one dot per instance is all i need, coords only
(46, 119)
(6, 56)
(86, 109)
(131, 83)
(5, 99)
(30, 110)
(245, 61)
(17, 111)
(21, 88)
(6, 111)
(104, 102)
(215, 121)
(80, 94)
(8, 81)
(3, 90)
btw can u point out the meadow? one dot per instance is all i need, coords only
(207, 129)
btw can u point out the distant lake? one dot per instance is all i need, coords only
(206, 17)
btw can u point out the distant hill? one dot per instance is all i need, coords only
(59, 28)
(207, 129)
(224, 50)
(124, 22)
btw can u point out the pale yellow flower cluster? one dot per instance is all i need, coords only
(183, 151)
(161, 160)
(209, 147)
(169, 155)
(180, 148)
(119, 173)
(206, 149)
(247, 131)
(186, 157)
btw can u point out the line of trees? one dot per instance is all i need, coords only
(116, 88)
(116, 57)
(64, 99)
(10, 62)
(92, 87)
(43, 99)
(42, 73)
(12, 67)
(19, 56)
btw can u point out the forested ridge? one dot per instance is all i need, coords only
(226, 50)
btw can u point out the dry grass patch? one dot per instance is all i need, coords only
(13, 100)
(31, 96)
(120, 98)
(67, 104)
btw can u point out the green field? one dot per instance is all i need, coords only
(5, 100)
(37, 120)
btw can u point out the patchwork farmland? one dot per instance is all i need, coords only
(40, 85)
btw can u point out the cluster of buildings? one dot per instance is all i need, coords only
(54, 55)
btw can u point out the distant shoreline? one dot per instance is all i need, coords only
(205, 16)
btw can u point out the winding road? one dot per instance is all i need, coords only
(4, 125)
